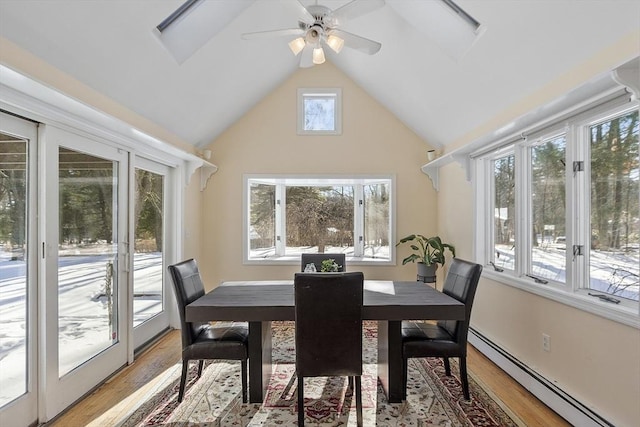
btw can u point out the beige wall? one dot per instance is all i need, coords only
(594, 359)
(265, 141)
(192, 219)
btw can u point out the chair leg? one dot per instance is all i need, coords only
(183, 379)
(243, 365)
(200, 364)
(300, 401)
(447, 366)
(359, 400)
(350, 382)
(464, 378)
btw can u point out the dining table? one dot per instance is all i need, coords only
(388, 302)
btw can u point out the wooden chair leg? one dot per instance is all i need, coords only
(243, 365)
(183, 379)
(464, 378)
(200, 364)
(447, 366)
(359, 400)
(350, 382)
(300, 401)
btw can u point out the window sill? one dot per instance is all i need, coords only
(295, 260)
(625, 314)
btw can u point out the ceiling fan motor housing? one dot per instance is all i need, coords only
(316, 32)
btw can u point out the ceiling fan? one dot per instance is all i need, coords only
(319, 26)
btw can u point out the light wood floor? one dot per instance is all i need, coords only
(109, 403)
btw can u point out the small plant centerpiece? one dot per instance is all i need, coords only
(329, 266)
(428, 252)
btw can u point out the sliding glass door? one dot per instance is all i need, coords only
(84, 246)
(18, 272)
(85, 184)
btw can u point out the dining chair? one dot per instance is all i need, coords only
(328, 333)
(317, 259)
(446, 338)
(203, 341)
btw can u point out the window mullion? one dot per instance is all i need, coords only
(358, 220)
(523, 210)
(281, 225)
(580, 218)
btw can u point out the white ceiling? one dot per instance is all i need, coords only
(110, 46)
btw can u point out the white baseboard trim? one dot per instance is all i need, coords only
(554, 397)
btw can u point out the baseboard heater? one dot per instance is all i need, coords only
(562, 403)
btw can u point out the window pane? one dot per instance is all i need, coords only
(13, 263)
(615, 228)
(504, 212)
(87, 256)
(376, 221)
(148, 244)
(319, 113)
(319, 219)
(548, 251)
(262, 223)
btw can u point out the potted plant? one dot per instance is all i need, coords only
(329, 266)
(428, 252)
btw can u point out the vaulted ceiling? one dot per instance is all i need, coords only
(111, 47)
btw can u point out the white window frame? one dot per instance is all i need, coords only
(573, 292)
(524, 152)
(358, 181)
(310, 93)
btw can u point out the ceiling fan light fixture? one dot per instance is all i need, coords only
(318, 56)
(296, 45)
(335, 43)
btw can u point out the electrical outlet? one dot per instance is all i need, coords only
(546, 342)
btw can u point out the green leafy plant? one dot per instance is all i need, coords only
(329, 266)
(428, 250)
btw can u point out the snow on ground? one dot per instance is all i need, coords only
(84, 328)
(611, 272)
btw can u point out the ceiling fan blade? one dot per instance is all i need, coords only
(358, 43)
(273, 33)
(304, 14)
(306, 57)
(355, 9)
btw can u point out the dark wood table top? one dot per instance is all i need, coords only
(273, 300)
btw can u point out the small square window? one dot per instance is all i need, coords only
(320, 111)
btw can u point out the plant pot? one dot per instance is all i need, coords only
(427, 273)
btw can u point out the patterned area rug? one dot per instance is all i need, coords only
(433, 399)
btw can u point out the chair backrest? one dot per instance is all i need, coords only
(317, 259)
(188, 287)
(461, 283)
(328, 335)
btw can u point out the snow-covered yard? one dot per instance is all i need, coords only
(611, 272)
(84, 328)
